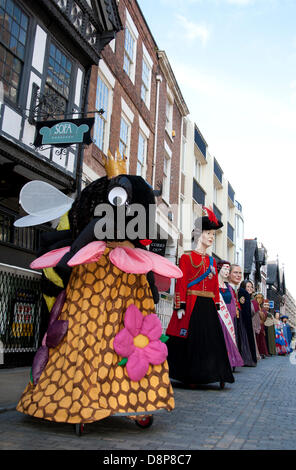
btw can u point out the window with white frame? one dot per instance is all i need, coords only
(169, 115)
(13, 40)
(142, 152)
(146, 80)
(130, 46)
(124, 136)
(58, 80)
(101, 119)
(166, 177)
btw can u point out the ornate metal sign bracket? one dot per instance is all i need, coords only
(49, 108)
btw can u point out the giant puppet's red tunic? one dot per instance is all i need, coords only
(193, 265)
(197, 351)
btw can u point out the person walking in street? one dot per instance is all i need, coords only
(197, 352)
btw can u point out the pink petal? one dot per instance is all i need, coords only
(133, 320)
(156, 352)
(131, 260)
(137, 365)
(123, 343)
(152, 327)
(88, 254)
(163, 266)
(50, 259)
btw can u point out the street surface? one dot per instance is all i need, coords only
(257, 412)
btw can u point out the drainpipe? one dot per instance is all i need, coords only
(158, 82)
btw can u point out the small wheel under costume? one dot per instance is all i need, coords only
(222, 385)
(79, 428)
(144, 422)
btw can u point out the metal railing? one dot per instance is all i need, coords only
(217, 212)
(20, 309)
(230, 232)
(26, 238)
(230, 192)
(238, 206)
(218, 170)
(198, 193)
(200, 143)
(164, 309)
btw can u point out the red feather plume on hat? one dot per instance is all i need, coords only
(211, 215)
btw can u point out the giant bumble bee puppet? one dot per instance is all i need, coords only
(103, 353)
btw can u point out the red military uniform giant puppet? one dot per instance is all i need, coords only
(197, 350)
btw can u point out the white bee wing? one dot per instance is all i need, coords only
(43, 202)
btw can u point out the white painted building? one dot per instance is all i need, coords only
(206, 184)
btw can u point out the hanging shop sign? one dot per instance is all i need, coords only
(158, 246)
(63, 133)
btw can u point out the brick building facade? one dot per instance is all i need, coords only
(126, 114)
(143, 111)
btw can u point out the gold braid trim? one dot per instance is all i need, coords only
(201, 293)
(201, 264)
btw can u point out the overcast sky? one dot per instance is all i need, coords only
(235, 63)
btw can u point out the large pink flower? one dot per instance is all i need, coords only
(139, 342)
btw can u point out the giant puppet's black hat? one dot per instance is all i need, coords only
(208, 220)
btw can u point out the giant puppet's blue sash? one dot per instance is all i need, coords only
(203, 276)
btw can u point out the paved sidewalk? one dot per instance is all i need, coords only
(257, 412)
(12, 384)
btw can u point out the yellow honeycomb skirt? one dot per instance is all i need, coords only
(82, 381)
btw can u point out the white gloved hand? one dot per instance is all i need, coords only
(180, 313)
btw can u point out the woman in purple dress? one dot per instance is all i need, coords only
(228, 316)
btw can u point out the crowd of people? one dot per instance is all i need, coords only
(219, 321)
